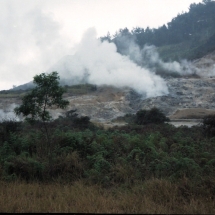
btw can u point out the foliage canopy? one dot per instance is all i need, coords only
(47, 93)
(188, 35)
(150, 116)
(208, 124)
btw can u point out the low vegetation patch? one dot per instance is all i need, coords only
(163, 169)
(149, 197)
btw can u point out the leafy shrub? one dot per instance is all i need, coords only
(24, 168)
(109, 157)
(8, 126)
(82, 122)
(6, 151)
(208, 124)
(72, 120)
(69, 166)
(154, 115)
(144, 117)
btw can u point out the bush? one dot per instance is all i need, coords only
(208, 124)
(24, 167)
(72, 120)
(68, 166)
(7, 127)
(154, 115)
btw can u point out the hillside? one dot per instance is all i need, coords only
(189, 35)
(190, 97)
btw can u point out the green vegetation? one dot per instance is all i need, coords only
(144, 117)
(46, 94)
(159, 164)
(13, 93)
(108, 157)
(154, 115)
(209, 125)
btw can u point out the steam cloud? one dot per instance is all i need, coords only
(99, 63)
(8, 113)
(149, 58)
(30, 42)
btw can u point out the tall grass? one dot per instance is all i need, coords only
(151, 196)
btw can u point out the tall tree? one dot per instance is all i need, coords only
(47, 93)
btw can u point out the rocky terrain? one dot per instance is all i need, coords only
(189, 99)
(185, 93)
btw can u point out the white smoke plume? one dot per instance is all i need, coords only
(8, 113)
(30, 42)
(99, 63)
(206, 65)
(149, 58)
(96, 62)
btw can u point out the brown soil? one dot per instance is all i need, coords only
(191, 113)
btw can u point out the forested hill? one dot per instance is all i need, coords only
(189, 35)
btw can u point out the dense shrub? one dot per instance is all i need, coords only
(108, 157)
(24, 168)
(150, 116)
(144, 117)
(72, 120)
(8, 126)
(208, 124)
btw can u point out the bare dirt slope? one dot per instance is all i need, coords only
(191, 113)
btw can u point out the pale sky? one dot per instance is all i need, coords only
(35, 34)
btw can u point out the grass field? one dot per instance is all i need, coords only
(152, 196)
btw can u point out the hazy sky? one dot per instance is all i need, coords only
(37, 33)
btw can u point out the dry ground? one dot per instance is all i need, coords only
(191, 113)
